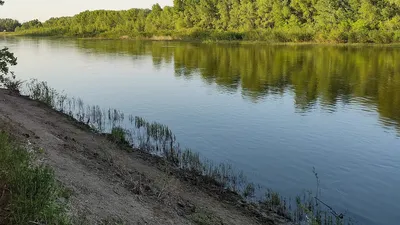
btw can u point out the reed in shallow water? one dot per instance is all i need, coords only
(157, 139)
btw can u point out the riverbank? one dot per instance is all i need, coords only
(222, 42)
(107, 183)
(271, 38)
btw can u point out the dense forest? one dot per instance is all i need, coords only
(375, 21)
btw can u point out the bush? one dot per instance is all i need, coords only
(31, 189)
(396, 36)
(302, 36)
(13, 85)
(198, 34)
(118, 135)
(339, 36)
(359, 37)
(378, 36)
(227, 36)
(258, 35)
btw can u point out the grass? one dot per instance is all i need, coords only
(205, 217)
(29, 191)
(157, 139)
(118, 136)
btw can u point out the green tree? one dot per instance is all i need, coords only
(153, 20)
(247, 14)
(7, 59)
(222, 22)
(326, 10)
(31, 24)
(279, 20)
(235, 20)
(9, 25)
(208, 14)
(264, 14)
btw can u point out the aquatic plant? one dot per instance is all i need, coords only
(157, 139)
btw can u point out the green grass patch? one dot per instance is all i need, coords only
(205, 217)
(118, 136)
(29, 193)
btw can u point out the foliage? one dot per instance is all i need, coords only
(249, 191)
(375, 21)
(31, 190)
(8, 25)
(13, 85)
(7, 59)
(118, 136)
(30, 25)
(40, 91)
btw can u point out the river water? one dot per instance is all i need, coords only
(274, 112)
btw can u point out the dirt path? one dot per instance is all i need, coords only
(109, 184)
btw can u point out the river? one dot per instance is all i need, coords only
(273, 111)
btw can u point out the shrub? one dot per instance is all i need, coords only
(31, 189)
(118, 135)
(227, 36)
(13, 85)
(379, 36)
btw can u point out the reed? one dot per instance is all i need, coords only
(157, 139)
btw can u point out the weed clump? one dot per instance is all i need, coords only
(118, 136)
(30, 193)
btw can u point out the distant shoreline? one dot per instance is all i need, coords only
(207, 41)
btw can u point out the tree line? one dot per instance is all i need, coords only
(376, 21)
(9, 25)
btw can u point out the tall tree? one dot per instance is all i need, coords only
(326, 10)
(264, 14)
(281, 20)
(153, 20)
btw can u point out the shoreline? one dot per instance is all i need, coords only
(207, 41)
(185, 206)
(145, 161)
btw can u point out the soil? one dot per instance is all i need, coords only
(110, 184)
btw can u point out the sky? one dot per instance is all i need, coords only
(25, 10)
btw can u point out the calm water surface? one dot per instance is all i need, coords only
(273, 111)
